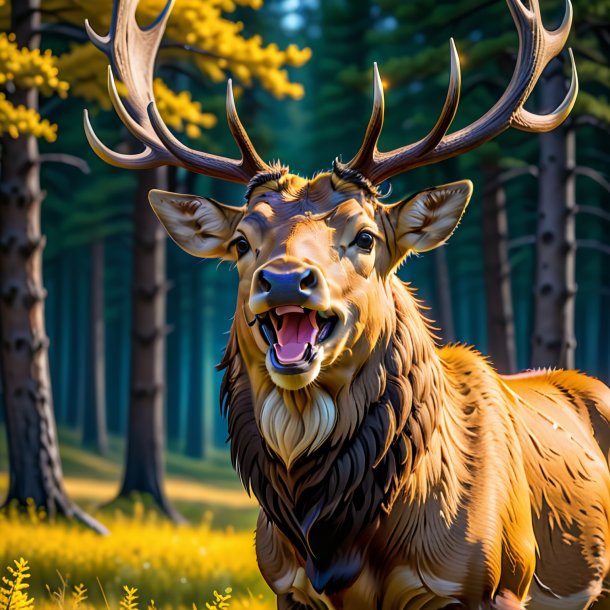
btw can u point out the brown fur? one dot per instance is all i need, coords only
(441, 483)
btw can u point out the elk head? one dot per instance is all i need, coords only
(315, 257)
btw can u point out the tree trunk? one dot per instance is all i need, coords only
(144, 468)
(554, 341)
(35, 470)
(81, 384)
(63, 323)
(195, 446)
(176, 362)
(443, 291)
(498, 291)
(94, 421)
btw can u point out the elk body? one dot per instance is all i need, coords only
(391, 474)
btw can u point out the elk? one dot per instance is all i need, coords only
(391, 473)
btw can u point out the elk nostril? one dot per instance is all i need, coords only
(264, 283)
(308, 279)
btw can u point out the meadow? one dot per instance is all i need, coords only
(207, 563)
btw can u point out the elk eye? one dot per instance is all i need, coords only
(365, 241)
(241, 246)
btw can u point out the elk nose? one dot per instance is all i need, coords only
(302, 286)
(287, 282)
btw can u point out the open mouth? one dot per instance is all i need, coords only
(294, 335)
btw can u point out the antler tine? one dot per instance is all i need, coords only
(146, 159)
(368, 155)
(524, 120)
(251, 162)
(193, 160)
(537, 47)
(368, 150)
(449, 108)
(132, 52)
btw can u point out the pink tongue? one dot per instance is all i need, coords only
(298, 329)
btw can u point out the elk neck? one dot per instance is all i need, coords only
(329, 502)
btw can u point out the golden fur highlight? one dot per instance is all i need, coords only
(402, 475)
(462, 473)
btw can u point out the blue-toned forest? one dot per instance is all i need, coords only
(117, 332)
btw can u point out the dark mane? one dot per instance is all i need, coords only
(355, 177)
(261, 178)
(329, 504)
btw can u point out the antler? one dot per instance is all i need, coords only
(537, 47)
(132, 52)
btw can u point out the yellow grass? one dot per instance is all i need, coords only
(176, 566)
(180, 490)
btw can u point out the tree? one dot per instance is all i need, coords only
(35, 470)
(501, 340)
(144, 465)
(553, 340)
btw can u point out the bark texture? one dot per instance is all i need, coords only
(35, 472)
(501, 344)
(554, 342)
(94, 420)
(195, 428)
(443, 290)
(144, 467)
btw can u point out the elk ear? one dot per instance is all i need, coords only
(428, 219)
(200, 226)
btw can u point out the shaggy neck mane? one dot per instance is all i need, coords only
(329, 503)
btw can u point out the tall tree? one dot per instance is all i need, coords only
(498, 293)
(144, 466)
(553, 341)
(94, 420)
(35, 470)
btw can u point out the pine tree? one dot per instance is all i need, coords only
(35, 470)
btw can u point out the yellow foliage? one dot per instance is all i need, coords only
(180, 111)
(85, 64)
(175, 565)
(79, 595)
(221, 601)
(129, 601)
(15, 597)
(29, 67)
(58, 596)
(221, 49)
(13, 592)
(25, 68)
(19, 120)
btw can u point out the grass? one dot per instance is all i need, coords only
(177, 566)
(196, 487)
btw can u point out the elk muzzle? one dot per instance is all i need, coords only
(282, 283)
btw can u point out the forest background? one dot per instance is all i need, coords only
(135, 326)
